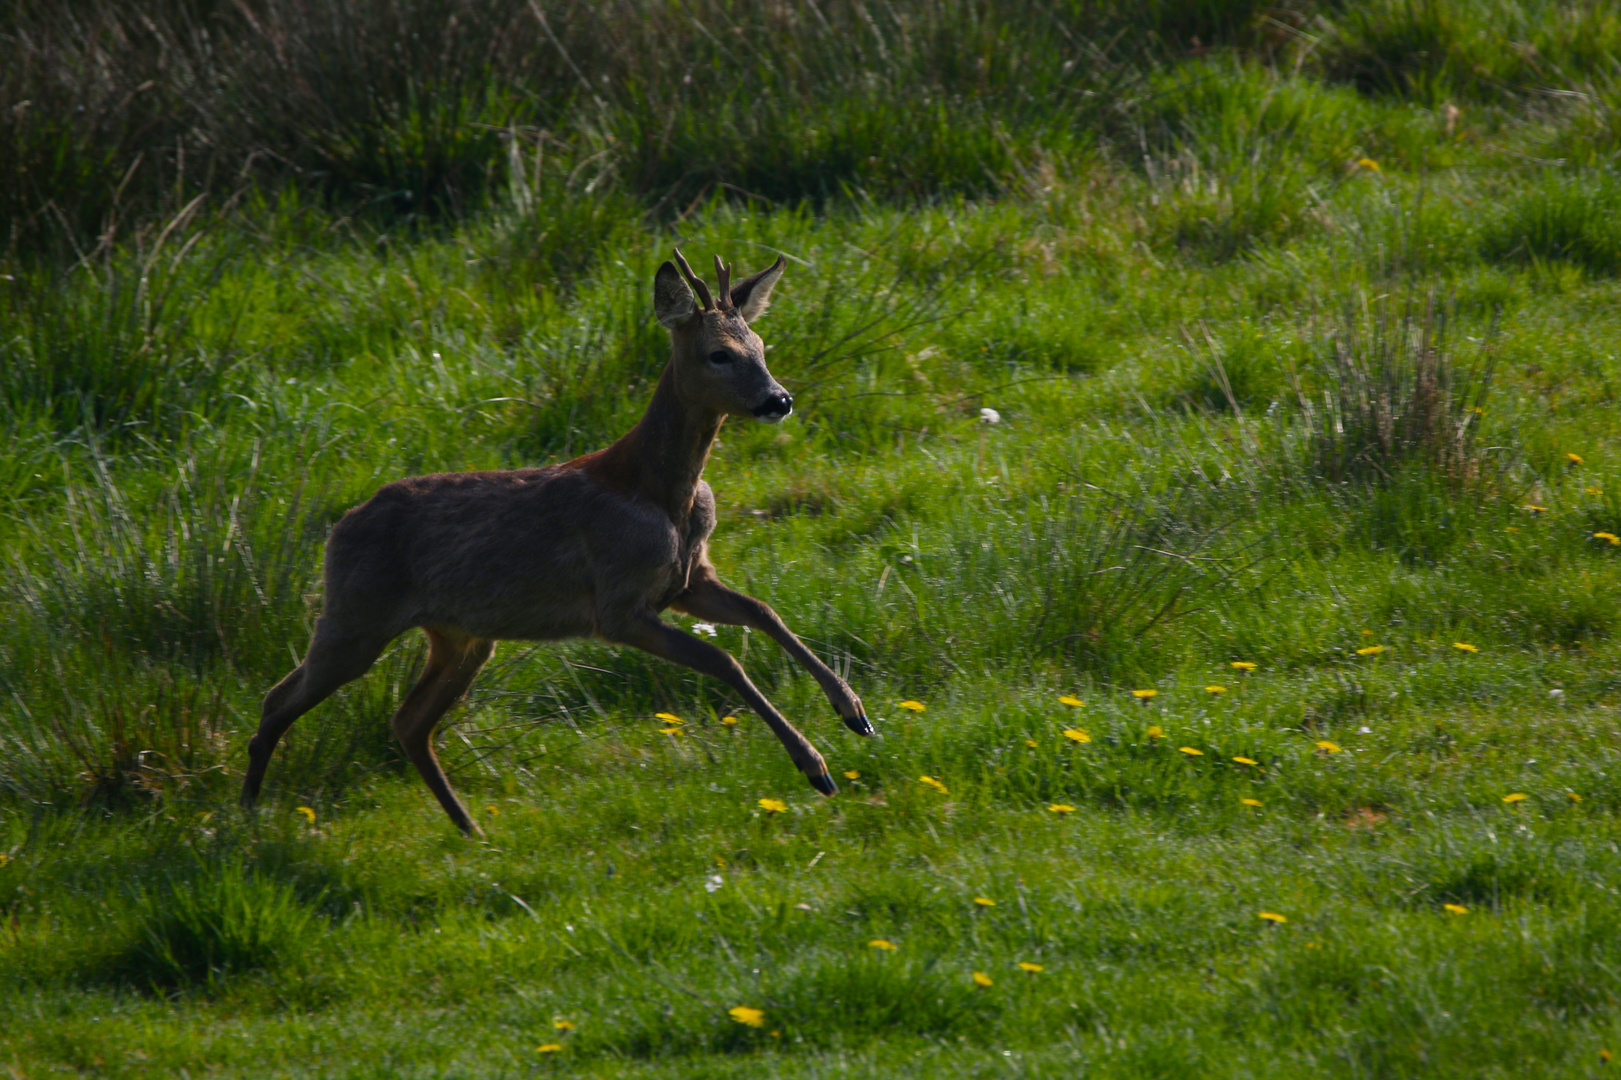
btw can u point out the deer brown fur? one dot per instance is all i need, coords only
(597, 546)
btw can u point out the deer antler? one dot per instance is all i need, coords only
(723, 275)
(705, 301)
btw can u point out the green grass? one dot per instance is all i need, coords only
(1290, 362)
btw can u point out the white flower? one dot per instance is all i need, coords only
(713, 883)
(990, 416)
(706, 629)
(1364, 730)
(1556, 693)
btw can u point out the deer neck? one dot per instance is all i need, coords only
(670, 446)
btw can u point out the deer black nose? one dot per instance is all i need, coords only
(778, 405)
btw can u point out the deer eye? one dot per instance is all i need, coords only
(720, 356)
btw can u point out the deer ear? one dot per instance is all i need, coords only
(672, 298)
(751, 295)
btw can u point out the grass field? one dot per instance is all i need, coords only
(1248, 688)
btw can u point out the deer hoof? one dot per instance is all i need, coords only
(824, 783)
(859, 724)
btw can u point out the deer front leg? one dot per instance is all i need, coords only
(707, 598)
(651, 634)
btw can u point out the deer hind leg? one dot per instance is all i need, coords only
(651, 634)
(335, 656)
(453, 661)
(707, 598)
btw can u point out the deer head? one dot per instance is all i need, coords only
(717, 360)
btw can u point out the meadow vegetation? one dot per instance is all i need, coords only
(1203, 465)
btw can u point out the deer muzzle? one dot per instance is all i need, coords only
(777, 405)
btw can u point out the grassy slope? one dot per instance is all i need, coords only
(160, 577)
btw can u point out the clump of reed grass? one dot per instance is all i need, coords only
(1388, 394)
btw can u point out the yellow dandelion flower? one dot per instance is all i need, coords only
(1034, 969)
(1215, 689)
(309, 814)
(1249, 802)
(1072, 702)
(773, 806)
(1464, 646)
(913, 706)
(935, 784)
(880, 943)
(852, 774)
(563, 1025)
(1245, 665)
(743, 1014)
(1077, 735)
(669, 731)
(1574, 459)
(1144, 695)
(984, 901)
(1367, 163)
(549, 1048)
(1455, 909)
(1031, 743)
(493, 810)
(668, 718)
(1155, 731)
(1367, 633)
(4, 858)
(1514, 797)
(1594, 490)
(1246, 761)
(1328, 747)
(1608, 537)
(1272, 916)
(1370, 650)
(1571, 795)
(982, 980)
(1061, 808)
(1191, 751)
(729, 721)
(1605, 1056)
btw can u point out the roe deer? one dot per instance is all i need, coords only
(595, 546)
